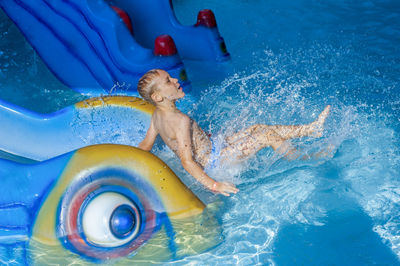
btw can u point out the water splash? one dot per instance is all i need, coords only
(359, 169)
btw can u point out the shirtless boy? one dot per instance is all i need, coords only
(192, 145)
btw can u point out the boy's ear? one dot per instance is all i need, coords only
(156, 97)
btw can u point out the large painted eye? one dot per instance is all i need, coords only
(104, 215)
(110, 220)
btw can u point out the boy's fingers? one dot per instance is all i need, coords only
(235, 189)
(224, 191)
(225, 194)
(231, 188)
(226, 188)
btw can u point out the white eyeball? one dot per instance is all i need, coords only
(110, 220)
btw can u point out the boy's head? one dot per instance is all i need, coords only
(157, 85)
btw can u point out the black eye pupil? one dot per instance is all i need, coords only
(123, 221)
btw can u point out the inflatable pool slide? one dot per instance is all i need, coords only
(100, 203)
(79, 200)
(109, 119)
(89, 48)
(74, 189)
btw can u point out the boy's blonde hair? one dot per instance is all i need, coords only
(147, 86)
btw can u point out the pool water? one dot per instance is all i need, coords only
(289, 60)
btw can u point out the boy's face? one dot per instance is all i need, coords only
(168, 87)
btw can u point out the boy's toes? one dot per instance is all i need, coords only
(318, 125)
(325, 112)
(323, 115)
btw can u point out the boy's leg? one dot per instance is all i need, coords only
(313, 129)
(249, 141)
(286, 132)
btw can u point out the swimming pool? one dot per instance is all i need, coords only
(289, 59)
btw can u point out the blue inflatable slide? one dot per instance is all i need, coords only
(90, 49)
(74, 189)
(78, 200)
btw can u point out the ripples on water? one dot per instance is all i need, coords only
(349, 198)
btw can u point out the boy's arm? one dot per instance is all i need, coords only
(185, 154)
(148, 141)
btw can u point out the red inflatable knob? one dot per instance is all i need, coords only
(124, 16)
(164, 45)
(206, 18)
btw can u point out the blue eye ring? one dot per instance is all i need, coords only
(86, 188)
(124, 221)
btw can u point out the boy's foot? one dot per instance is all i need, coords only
(317, 127)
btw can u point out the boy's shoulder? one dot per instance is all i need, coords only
(183, 118)
(176, 117)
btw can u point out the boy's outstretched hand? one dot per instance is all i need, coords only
(224, 188)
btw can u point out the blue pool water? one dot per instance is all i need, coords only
(289, 60)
